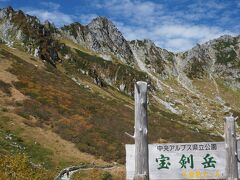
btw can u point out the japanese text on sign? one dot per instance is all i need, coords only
(187, 147)
(182, 161)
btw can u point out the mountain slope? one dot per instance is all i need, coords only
(75, 86)
(218, 58)
(102, 36)
(27, 33)
(93, 118)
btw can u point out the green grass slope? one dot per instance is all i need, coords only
(93, 118)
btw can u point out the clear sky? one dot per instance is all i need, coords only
(176, 25)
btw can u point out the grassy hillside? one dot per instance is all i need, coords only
(60, 122)
(21, 160)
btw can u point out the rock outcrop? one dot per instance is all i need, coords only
(218, 58)
(101, 36)
(26, 32)
(151, 58)
(99, 52)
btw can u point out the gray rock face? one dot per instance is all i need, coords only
(178, 81)
(4, 30)
(20, 30)
(217, 58)
(102, 36)
(4, 12)
(15, 25)
(152, 58)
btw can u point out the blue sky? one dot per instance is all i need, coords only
(176, 25)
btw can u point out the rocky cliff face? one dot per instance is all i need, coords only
(101, 36)
(27, 33)
(150, 58)
(218, 58)
(87, 97)
(191, 84)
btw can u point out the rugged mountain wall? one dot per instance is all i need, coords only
(150, 58)
(218, 58)
(178, 80)
(27, 33)
(101, 36)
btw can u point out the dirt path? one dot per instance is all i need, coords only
(66, 173)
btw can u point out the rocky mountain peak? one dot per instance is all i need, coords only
(101, 36)
(18, 29)
(104, 38)
(103, 28)
(48, 23)
(101, 22)
(7, 9)
(50, 26)
(149, 43)
(72, 28)
(6, 12)
(18, 17)
(9, 12)
(149, 47)
(225, 37)
(150, 58)
(144, 43)
(172, 74)
(217, 58)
